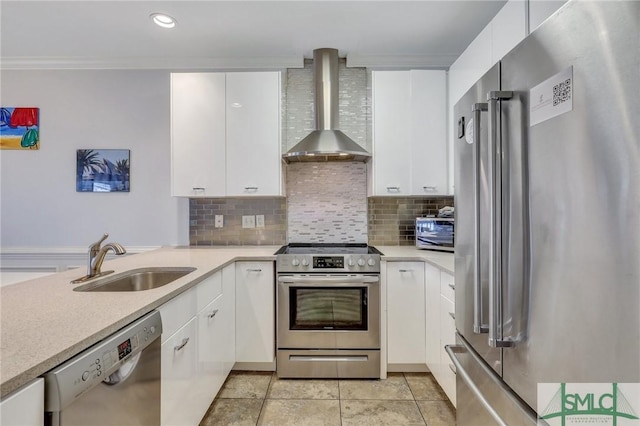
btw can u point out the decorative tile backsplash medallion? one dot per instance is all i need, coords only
(202, 230)
(354, 102)
(392, 220)
(327, 202)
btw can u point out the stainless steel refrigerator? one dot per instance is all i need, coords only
(547, 196)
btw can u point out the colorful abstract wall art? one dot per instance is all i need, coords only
(19, 128)
(102, 170)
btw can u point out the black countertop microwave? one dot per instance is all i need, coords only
(435, 233)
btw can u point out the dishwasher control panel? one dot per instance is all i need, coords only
(97, 363)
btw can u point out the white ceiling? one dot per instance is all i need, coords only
(237, 34)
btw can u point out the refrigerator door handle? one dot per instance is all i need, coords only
(496, 253)
(478, 326)
(526, 414)
(462, 373)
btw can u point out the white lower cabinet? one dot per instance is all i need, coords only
(179, 373)
(198, 348)
(405, 313)
(255, 312)
(25, 406)
(445, 374)
(432, 327)
(210, 362)
(440, 328)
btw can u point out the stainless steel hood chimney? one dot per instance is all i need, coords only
(326, 143)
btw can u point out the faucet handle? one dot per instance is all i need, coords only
(96, 246)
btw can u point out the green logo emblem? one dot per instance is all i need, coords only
(588, 404)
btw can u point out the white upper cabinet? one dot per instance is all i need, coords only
(428, 132)
(198, 134)
(253, 133)
(409, 133)
(391, 133)
(225, 134)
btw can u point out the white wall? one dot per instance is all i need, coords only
(90, 109)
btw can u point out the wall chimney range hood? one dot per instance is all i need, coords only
(326, 143)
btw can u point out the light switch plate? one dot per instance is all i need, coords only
(219, 221)
(248, 221)
(259, 221)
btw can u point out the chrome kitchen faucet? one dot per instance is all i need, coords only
(96, 257)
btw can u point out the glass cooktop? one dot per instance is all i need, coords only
(318, 248)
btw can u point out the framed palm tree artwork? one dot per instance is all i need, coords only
(102, 170)
(19, 128)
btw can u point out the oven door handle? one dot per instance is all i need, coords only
(328, 280)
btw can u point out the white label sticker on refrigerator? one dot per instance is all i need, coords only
(552, 97)
(468, 134)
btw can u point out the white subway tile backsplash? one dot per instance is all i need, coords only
(327, 202)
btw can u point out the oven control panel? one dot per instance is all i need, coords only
(328, 263)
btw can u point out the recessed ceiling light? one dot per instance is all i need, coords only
(163, 20)
(236, 105)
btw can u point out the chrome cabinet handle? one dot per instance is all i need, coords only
(213, 314)
(250, 188)
(478, 311)
(197, 188)
(453, 368)
(393, 188)
(496, 163)
(254, 270)
(430, 188)
(452, 315)
(181, 345)
(405, 270)
(451, 286)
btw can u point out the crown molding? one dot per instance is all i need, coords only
(219, 63)
(151, 63)
(401, 61)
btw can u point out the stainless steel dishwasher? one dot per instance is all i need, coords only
(114, 382)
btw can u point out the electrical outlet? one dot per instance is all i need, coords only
(219, 221)
(248, 221)
(259, 221)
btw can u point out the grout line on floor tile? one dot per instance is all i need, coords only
(264, 400)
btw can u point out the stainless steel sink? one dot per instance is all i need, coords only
(137, 279)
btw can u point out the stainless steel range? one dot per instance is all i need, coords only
(328, 311)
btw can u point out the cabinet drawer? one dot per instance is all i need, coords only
(208, 290)
(177, 312)
(447, 286)
(447, 321)
(178, 376)
(447, 377)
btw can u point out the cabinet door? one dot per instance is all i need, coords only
(391, 132)
(210, 363)
(445, 376)
(405, 313)
(255, 312)
(428, 132)
(24, 407)
(198, 134)
(432, 326)
(179, 373)
(253, 134)
(229, 319)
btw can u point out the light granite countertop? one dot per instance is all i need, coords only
(44, 322)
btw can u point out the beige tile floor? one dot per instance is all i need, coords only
(259, 398)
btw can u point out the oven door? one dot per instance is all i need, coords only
(328, 311)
